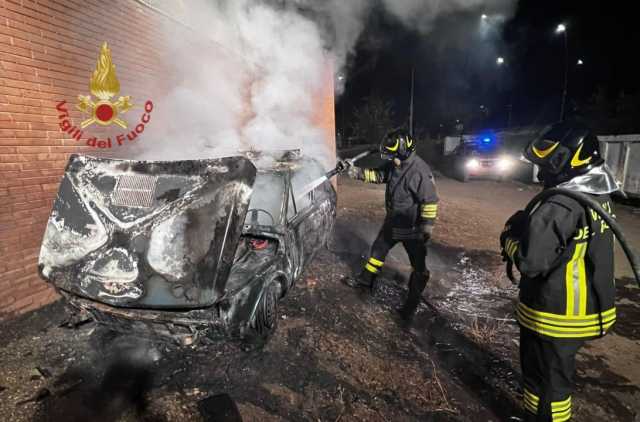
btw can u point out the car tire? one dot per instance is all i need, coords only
(265, 319)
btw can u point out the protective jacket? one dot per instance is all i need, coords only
(565, 257)
(410, 198)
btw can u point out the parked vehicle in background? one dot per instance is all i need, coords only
(480, 157)
(187, 249)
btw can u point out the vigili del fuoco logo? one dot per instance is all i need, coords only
(101, 110)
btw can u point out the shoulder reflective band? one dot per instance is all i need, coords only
(576, 161)
(542, 153)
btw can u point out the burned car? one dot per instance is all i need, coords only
(185, 249)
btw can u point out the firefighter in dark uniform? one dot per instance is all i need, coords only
(564, 253)
(412, 207)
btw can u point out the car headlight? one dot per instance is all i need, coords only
(472, 164)
(505, 163)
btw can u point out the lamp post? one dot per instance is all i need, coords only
(562, 29)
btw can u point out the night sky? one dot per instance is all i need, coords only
(456, 70)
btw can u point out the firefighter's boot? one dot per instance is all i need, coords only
(364, 280)
(417, 283)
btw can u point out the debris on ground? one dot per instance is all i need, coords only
(338, 354)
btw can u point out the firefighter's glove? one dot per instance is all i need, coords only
(514, 227)
(343, 165)
(355, 173)
(427, 231)
(513, 230)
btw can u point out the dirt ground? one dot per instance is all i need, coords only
(337, 355)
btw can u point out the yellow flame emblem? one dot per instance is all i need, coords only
(576, 161)
(103, 85)
(409, 142)
(542, 153)
(395, 147)
(104, 82)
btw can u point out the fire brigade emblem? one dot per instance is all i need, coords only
(104, 85)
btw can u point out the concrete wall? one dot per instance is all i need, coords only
(48, 50)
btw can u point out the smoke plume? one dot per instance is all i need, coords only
(248, 74)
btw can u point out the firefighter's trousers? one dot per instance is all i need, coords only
(548, 368)
(414, 245)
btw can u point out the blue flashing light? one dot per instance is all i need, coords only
(486, 140)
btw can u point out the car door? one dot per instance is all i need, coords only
(294, 233)
(308, 221)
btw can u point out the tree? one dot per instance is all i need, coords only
(372, 120)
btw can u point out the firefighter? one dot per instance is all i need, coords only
(564, 253)
(412, 207)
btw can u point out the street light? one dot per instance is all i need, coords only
(500, 61)
(484, 17)
(562, 29)
(580, 62)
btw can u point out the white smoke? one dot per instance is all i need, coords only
(249, 74)
(421, 15)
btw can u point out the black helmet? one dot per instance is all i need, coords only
(397, 144)
(564, 151)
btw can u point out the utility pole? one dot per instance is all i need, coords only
(562, 29)
(413, 71)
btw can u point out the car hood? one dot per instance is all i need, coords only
(147, 234)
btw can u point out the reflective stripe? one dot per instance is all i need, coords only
(429, 210)
(375, 262)
(367, 175)
(561, 410)
(530, 401)
(511, 247)
(561, 416)
(560, 405)
(582, 282)
(568, 319)
(569, 325)
(371, 268)
(370, 176)
(576, 282)
(535, 399)
(595, 330)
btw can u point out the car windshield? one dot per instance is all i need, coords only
(265, 206)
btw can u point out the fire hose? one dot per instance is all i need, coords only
(591, 203)
(336, 170)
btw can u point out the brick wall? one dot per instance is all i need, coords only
(48, 50)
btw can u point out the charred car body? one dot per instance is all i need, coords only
(186, 249)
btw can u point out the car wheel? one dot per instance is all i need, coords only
(265, 320)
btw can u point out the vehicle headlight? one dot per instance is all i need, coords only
(505, 163)
(472, 164)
